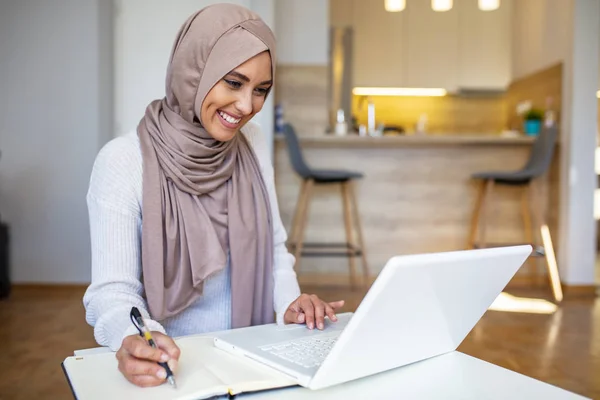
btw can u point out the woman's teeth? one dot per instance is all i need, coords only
(229, 118)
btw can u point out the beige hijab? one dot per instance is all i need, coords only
(205, 200)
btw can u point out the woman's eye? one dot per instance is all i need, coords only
(262, 91)
(233, 84)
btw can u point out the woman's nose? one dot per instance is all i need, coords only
(244, 104)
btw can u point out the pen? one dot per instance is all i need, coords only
(138, 321)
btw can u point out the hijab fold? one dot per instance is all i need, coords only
(205, 203)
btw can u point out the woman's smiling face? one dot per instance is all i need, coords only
(237, 97)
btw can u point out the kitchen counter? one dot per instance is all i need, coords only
(416, 195)
(409, 140)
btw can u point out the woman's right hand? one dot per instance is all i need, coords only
(138, 360)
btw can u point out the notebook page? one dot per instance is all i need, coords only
(97, 376)
(241, 374)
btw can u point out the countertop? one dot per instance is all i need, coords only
(409, 140)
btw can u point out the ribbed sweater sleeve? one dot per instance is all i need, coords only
(115, 228)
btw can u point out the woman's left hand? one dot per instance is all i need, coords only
(311, 310)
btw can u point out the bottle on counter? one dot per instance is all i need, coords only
(549, 116)
(362, 130)
(341, 127)
(371, 117)
(421, 126)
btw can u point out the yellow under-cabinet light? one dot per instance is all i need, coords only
(395, 91)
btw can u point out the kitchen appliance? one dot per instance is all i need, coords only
(340, 75)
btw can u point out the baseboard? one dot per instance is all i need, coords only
(48, 286)
(580, 291)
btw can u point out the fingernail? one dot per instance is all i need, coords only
(164, 357)
(320, 325)
(161, 374)
(301, 318)
(334, 318)
(172, 364)
(310, 325)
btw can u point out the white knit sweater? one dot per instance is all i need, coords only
(115, 210)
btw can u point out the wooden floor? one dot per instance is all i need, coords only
(41, 326)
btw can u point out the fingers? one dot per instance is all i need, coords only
(311, 310)
(138, 361)
(131, 366)
(140, 372)
(319, 307)
(292, 316)
(330, 312)
(168, 345)
(337, 304)
(139, 348)
(308, 308)
(145, 380)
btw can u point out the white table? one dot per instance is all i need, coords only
(450, 376)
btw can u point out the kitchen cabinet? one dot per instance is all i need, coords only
(431, 46)
(378, 45)
(484, 46)
(463, 48)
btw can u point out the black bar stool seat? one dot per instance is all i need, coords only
(516, 178)
(333, 176)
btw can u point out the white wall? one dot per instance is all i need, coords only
(54, 95)
(266, 118)
(303, 31)
(144, 35)
(577, 225)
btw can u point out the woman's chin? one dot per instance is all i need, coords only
(224, 135)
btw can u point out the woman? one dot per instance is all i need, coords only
(183, 213)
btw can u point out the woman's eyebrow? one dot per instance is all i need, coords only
(246, 79)
(240, 76)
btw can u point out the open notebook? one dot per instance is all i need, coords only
(203, 372)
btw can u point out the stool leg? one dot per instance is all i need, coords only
(293, 239)
(551, 264)
(475, 215)
(349, 239)
(526, 213)
(361, 245)
(302, 218)
(489, 189)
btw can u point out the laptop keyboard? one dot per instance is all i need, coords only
(307, 353)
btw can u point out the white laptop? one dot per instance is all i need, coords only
(420, 306)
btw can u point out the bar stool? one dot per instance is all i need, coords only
(310, 179)
(537, 165)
